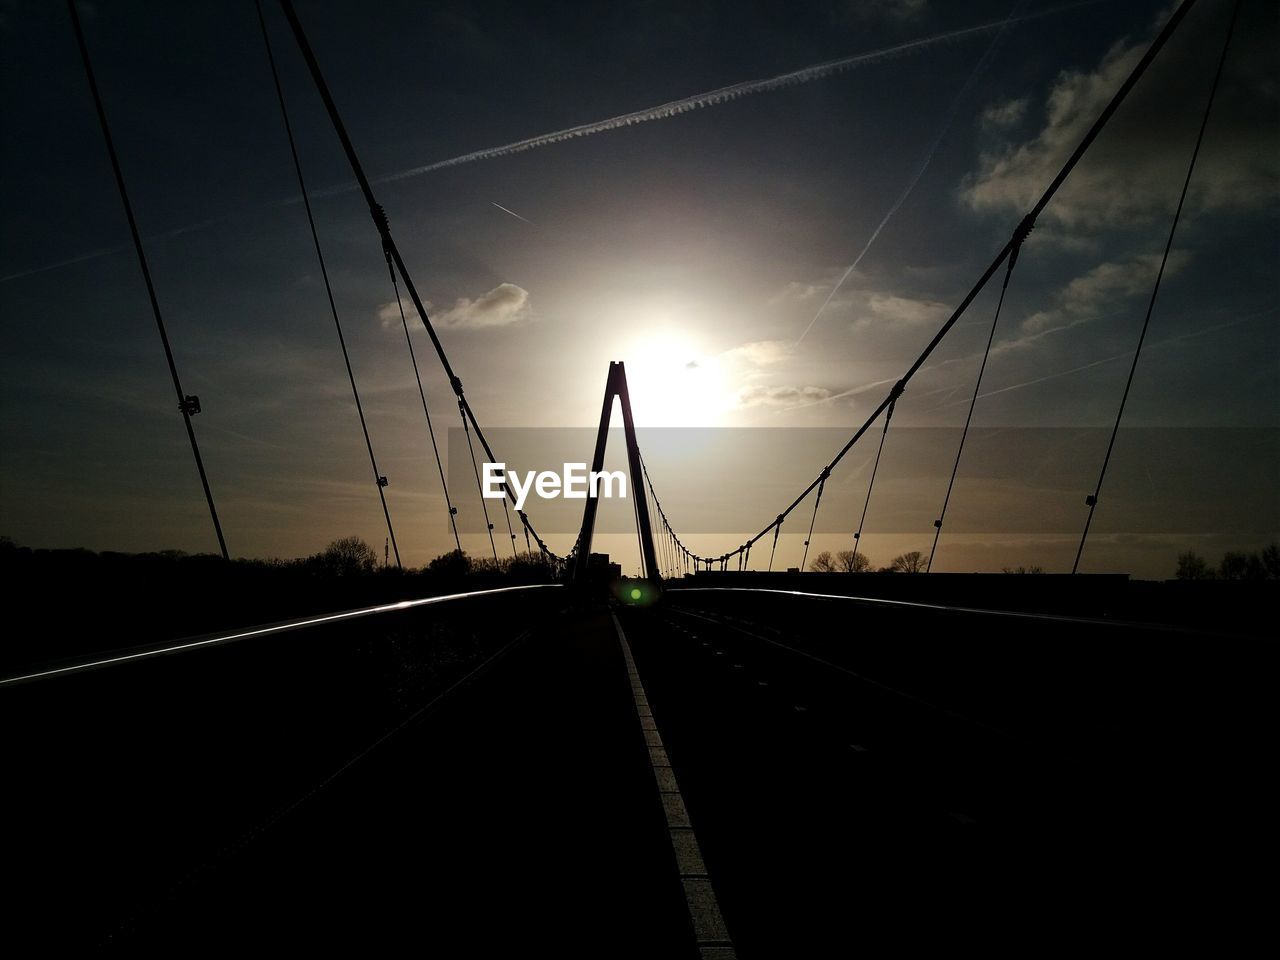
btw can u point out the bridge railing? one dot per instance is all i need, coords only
(147, 772)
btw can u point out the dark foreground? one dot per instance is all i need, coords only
(485, 776)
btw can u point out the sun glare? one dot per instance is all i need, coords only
(674, 381)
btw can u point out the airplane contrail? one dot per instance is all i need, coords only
(722, 95)
(710, 98)
(920, 170)
(1128, 355)
(512, 212)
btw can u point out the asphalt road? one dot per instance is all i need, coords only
(818, 779)
(897, 780)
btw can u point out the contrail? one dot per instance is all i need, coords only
(1029, 383)
(1119, 356)
(109, 251)
(924, 164)
(512, 212)
(664, 111)
(722, 95)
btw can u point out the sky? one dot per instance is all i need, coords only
(692, 188)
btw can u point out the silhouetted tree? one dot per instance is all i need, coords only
(455, 563)
(823, 563)
(1192, 566)
(347, 557)
(1025, 570)
(1234, 565)
(849, 562)
(1271, 561)
(912, 562)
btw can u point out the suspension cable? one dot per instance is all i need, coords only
(777, 529)
(1092, 500)
(426, 412)
(528, 546)
(188, 406)
(384, 229)
(479, 486)
(510, 530)
(1024, 230)
(379, 480)
(857, 536)
(817, 501)
(1121, 94)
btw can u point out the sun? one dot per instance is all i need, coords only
(675, 381)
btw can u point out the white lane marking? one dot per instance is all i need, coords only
(700, 898)
(267, 630)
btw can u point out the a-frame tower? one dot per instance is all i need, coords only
(616, 386)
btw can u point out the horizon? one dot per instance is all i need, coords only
(765, 227)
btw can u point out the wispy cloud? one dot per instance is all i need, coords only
(1132, 176)
(923, 166)
(782, 396)
(505, 304)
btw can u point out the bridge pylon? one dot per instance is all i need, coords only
(616, 386)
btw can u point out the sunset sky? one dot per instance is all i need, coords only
(696, 243)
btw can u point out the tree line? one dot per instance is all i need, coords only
(1262, 564)
(851, 561)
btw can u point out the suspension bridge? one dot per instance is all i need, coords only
(722, 759)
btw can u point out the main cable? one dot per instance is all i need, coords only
(389, 244)
(1103, 118)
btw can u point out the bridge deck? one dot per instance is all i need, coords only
(774, 772)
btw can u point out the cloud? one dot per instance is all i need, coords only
(781, 396)
(758, 353)
(1132, 174)
(795, 292)
(389, 314)
(505, 304)
(1004, 114)
(905, 310)
(887, 9)
(1099, 290)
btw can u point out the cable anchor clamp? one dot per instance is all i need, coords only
(190, 405)
(1020, 234)
(380, 221)
(382, 481)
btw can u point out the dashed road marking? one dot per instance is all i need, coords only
(700, 899)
